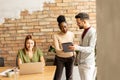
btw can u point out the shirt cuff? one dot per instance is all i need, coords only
(76, 47)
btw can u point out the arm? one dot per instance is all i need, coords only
(90, 48)
(57, 45)
(19, 61)
(41, 56)
(42, 60)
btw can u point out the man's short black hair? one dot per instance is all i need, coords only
(82, 16)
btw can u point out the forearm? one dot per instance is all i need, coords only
(19, 62)
(42, 60)
(88, 49)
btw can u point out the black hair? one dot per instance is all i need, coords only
(82, 16)
(60, 19)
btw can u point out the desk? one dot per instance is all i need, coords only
(48, 74)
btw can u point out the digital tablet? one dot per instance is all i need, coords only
(66, 46)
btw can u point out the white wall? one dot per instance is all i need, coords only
(12, 8)
(108, 43)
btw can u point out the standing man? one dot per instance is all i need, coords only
(86, 57)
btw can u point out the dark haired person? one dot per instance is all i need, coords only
(86, 56)
(30, 53)
(63, 59)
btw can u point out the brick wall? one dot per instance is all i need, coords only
(42, 25)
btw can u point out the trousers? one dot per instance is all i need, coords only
(60, 64)
(87, 72)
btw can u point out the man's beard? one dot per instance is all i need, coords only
(81, 27)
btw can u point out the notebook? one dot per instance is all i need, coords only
(31, 68)
(66, 46)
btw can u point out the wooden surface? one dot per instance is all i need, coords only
(48, 74)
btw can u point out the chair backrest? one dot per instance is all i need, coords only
(17, 61)
(1, 62)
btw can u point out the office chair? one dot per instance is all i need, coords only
(1, 62)
(17, 61)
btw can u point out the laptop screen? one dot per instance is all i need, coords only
(31, 68)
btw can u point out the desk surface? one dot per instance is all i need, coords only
(48, 74)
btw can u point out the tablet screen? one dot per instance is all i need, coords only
(66, 45)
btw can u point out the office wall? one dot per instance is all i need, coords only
(108, 46)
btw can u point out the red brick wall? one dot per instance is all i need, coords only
(42, 25)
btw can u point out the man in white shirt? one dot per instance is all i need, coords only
(86, 56)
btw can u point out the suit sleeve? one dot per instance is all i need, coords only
(91, 47)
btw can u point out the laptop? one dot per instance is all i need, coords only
(31, 68)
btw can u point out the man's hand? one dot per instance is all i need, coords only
(72, 48)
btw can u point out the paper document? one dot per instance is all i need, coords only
(4, 72)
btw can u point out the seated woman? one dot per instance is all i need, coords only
(30, 53)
